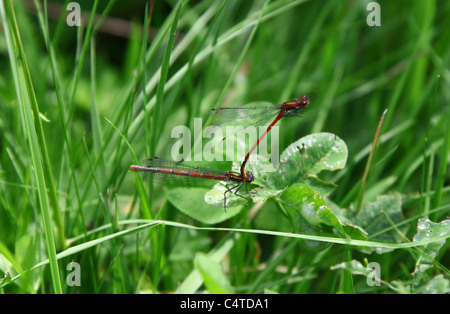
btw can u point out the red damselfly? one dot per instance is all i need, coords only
(258, 115)
(170, 172)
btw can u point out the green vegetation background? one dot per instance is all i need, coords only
(64, 183)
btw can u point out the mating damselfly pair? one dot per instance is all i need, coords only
(169, 172)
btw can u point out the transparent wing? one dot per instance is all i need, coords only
(164, 163)
(244, 116)
(176, 179)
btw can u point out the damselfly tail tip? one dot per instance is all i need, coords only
(134, 168)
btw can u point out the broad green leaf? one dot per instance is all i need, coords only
(191, 201)
(437, 285)
(264, 173)
(214, 278)
(309, 213)
(301, 161)
(353, 231)
(426, 229)
(300, 200)
(382, 219)
(310, 155)
(372, 271)
(321, 187)
(354, 267)
(216, 195)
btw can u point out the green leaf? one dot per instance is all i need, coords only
(218, 195)
(310, 155)
(215, 196)
(33, 131)
(370, 271)
(194, 280)
(438, 285)
(382, 219)
(191, 201)
(426, 229)
(354, 267)
(214, 278)
(309, 213)
(301, 161)
(320, 186)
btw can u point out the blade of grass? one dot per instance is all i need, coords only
(156, 123)
(80, 61)
(426, 180)
(147, 20)
(147, 23)
(140, 184)
(271, 267)
(327, 103)
(154, 136)
(49, 176)
(129, 97)
(17, 267)
(194, 280)
(28, 104)
(427, 163)
(443, 162)
(369, 165)
(216, 24)
(239, 29)
(158, 248)
(308, 44)
(145, 207)
(224, 247)
(43, 18)
(96, 130)
(353, 192)
(106, 213)
(241, 57)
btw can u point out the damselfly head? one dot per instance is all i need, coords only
(249, 178)
(303, 101)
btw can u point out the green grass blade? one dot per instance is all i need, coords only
(80, 61)
(193, 281)
(369, 165)
(156, 121)
(96, 127)
(27, 100)
(443, 163)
